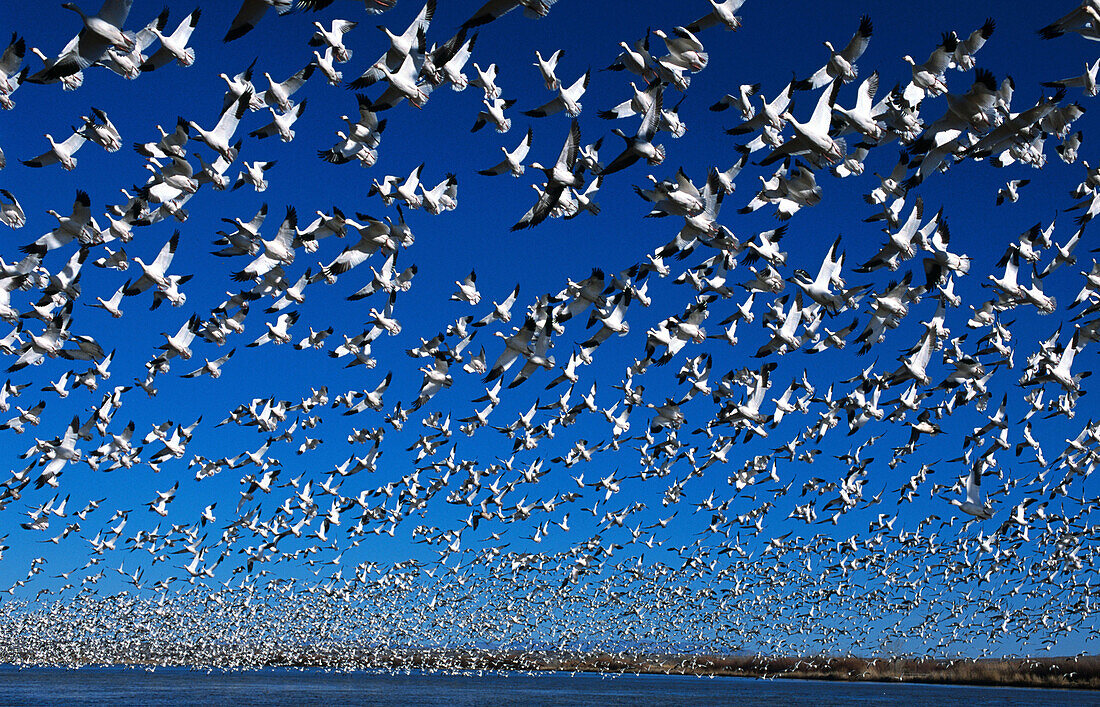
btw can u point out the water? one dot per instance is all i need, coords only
(176, 686)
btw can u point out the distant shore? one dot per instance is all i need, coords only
(1056, 672)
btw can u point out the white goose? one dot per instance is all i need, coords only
(219, 136)
(59, 153)
(333, 38)
(513, 161)
(174, 46)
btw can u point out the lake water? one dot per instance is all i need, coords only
(114, 686)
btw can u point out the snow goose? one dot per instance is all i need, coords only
(155, 274)
(812, 137)
(322, 227)
(568, 99)
(251, 12)
(861, 117)
(238, 85)
(11, 213)
(59, 153)
(277, 251)
(559, 176)
(401, 45)
(127, 64)
(1069, 147)
(1086, 81)
(169, 145)
(214, 174)
(277, 333)
(326, 63)
(637, 104)
(547, 67)
(347, 149)
(13, 83)
(741, 100)
(442, 197)
(963, 56)
(467, 290)
(10, 61)
(494, 113)
(640, 145)
(99, 33)
(841, 63)
(974, 505)
(684, 49)
(636, 59)
(513, 161)
(333, 38)
(11, 76)
(452, 69)
(405, 83)
(498, 8)
(80, 225)
(721, 14)
(219, 136)
(278, 93)
(174, 46)
(281, 123)
(1011, 191)
(770, 115)
(253, 173)
(393, 188)
(486, 81)
(384, 319)
(211, 368)
(111, 304)
(928, 78)
(1068, 22)
(101, 130)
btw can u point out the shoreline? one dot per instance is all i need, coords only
(1080, 673)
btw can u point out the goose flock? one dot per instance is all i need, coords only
(272, 397)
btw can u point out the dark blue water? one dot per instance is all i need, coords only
(114, 686)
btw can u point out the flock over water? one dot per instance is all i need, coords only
(733, 439)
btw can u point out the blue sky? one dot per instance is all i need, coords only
(778, 40)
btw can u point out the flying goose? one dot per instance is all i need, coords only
(326, 63)
(278, 251)
(100, 32)
(401, 45)
(219, 136)
(812, 137)
(278, 93)
(174, 46)
(963, 56)
(494, 113)
(640, 145)
(684, 49)
(721, 14)
(281, 123)
(11, 213)
(513, 161)
(60, 153)
(253, 173)
(333, 38)
(547, 67)
(559, 176)
(404, 83)
(498, 8)
(155, 274)
(841, 63)
(251, 12)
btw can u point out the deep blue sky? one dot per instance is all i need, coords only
(779, 40)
